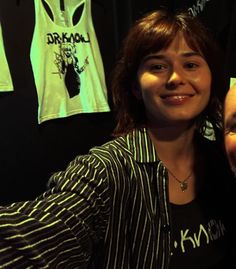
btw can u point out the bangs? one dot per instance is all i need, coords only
(154, 39)
(195, 43)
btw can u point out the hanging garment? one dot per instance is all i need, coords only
(6, 84)
(66, 60)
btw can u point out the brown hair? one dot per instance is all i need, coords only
(150, 34)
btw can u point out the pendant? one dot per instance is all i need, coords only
(183, 186)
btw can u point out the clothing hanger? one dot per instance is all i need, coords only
(62, 5)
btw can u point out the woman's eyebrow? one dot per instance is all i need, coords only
(163, 56)
(153, 56)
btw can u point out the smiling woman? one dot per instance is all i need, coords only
(230, 126)
(159, 194)
(175, 84)
(148, 38)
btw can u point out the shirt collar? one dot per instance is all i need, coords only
(140, 144)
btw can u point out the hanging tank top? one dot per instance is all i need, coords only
(6, 84)
(66, 61)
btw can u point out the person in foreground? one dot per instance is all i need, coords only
(157, 195)
(230, 126)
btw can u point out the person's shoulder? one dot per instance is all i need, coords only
(213, 151)
(116, 146)
(216, 155)
(209, 145)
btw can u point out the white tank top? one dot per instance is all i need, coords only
(6, 84)
(66, 61)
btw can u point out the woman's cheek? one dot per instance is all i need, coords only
(230, 146)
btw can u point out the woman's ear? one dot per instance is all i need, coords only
(136, 90)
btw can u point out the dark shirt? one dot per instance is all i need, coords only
(199, 238)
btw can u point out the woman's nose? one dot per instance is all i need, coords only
(175, 79)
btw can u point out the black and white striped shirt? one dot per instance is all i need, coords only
(109, 206)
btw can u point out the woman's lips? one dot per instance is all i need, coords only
(176, 99)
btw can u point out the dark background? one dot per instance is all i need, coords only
(29, 152)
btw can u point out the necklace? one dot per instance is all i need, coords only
(182, 183)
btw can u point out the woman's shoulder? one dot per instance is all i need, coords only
(118, 145)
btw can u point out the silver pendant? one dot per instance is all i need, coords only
(183, 185)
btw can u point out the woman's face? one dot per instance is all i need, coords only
(174, 84)
(230, 126)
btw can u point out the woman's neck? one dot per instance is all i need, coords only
(173, 145)
(177, 149)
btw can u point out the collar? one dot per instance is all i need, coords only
(141, 146)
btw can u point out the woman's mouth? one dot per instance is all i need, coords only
(176, 99)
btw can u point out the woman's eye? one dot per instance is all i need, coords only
(231, 129)
(191, 65)
(157, 67)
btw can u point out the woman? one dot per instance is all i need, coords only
(171, 65)
(230, 126)
(155, 196)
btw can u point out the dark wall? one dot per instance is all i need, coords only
(29, 152)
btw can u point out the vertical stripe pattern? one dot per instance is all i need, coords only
(114, 200)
